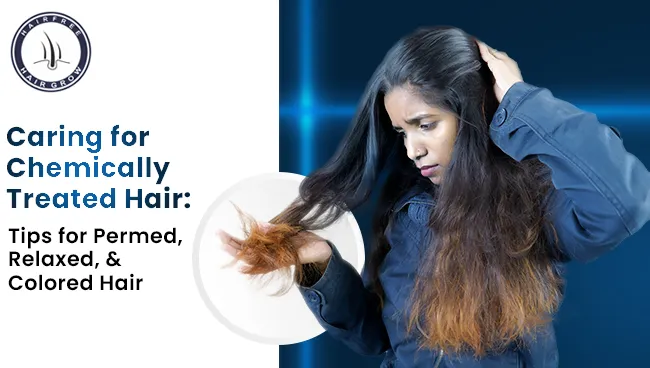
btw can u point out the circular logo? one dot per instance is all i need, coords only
(50, 52)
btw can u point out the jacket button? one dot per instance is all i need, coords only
(500, 117)
(313, 297)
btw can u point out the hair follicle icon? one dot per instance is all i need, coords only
(54, 58)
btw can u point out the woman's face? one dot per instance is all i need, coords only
(428, 132)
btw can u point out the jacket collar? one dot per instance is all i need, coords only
(415, 195)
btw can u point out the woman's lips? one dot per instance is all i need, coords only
(429, 170)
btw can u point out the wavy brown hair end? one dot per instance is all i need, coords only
(273, 249)
(487, 279)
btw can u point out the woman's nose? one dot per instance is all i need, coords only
(414, 150)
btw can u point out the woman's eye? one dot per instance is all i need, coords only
(427, 126)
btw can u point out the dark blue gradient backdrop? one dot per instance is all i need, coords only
(595, 56)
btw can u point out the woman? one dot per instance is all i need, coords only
(490, 185)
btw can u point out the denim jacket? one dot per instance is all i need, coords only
(601, 196)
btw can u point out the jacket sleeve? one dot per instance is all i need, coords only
(602, 191)
(346, 309)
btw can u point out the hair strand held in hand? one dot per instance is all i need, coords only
(269, 249)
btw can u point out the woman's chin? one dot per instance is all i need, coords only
(436, 179)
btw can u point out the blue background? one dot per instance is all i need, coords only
(595, 56)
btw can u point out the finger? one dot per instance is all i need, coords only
(227, 239)
(231, 249)
(485, 52)
(501, 55)
(504, 57)
(233, 252)
(496, 53)
(265, 226)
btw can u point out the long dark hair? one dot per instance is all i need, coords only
(488, 277)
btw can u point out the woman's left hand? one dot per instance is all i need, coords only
(505, 70)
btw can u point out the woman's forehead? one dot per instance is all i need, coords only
(404, 104)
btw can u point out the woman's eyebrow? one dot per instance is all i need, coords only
(417, 118)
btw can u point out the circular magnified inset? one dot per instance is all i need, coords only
(251, 307)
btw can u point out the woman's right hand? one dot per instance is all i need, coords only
(317, 251)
